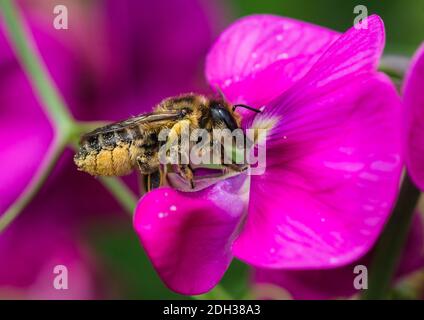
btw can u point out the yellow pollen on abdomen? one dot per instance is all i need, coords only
(122, 164)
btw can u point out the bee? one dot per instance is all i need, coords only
(118, 148)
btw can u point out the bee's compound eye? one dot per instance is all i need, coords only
(219, 113)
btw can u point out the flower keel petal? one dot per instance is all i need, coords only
(187, 237)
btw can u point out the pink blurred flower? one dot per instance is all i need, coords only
(30, 252)
(333, 158)
(110, 64)
(414, 104)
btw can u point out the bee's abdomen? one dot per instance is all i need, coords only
(111, 153)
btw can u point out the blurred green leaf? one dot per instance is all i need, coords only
(127, 269)
(236, 279)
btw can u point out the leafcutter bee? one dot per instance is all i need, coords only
(118, 148)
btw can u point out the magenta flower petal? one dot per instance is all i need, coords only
(414, 104)
(338, 282)
(260, 56)
(333, 162)
(188, 238)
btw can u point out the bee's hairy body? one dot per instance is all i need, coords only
(116, 153)
(116, 149)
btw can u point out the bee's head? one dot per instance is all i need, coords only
(222, 116)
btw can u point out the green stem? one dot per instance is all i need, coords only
(389, 247)
(391, 72)
(35, 184)
(394, 66)
(87, 126)
(50, 101)
(35, 68)
(121, 192)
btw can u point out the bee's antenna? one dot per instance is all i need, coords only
(221, 93)
(246, 107)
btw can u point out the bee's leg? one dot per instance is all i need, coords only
(186, 172)
(148, 163)
(144, 184)
(162, 175)
(149, 182)
(175, 134)
(153, 180)
(143, 164)
(174, 137)
(149, 186)
(235, 167)
(232, 167)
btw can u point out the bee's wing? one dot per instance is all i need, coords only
(168, 115)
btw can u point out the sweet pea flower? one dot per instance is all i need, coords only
(414, 104)
(337, 282)
(108, 65)
(333, 157)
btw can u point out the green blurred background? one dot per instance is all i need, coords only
(117, 247)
